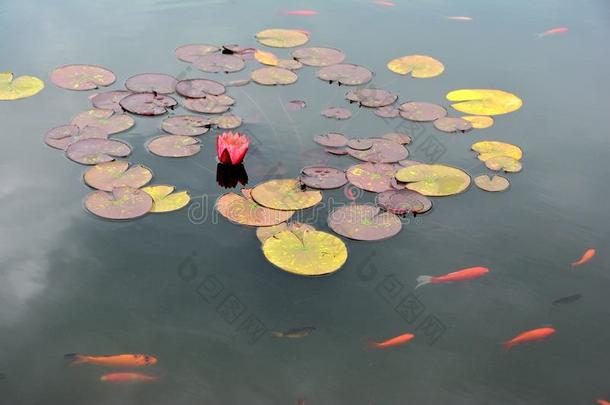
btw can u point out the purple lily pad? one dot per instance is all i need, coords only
(360, 143)
(272, 76)
(373, 98)
(294, 105)
(364, 222)
(108, 175)
(107, 120)
(402, 139)
(387, 112)
(421, 111)
(148, 103)
(192, 52)
(218, 62)
(174, 146)
(82, 77)
(452, 124)
(110, 100)
(122, 203)
(94, 150)
(346, 74)
(382, 151)
(318, 56)
(187, 125)
(64, 136)
(199, 88)
(374, 177)
(208, 105)
(338, 113)
(323, 177)
(331, 140)
(152, 83)
(402, 202)
(228, 121)
(337, 151)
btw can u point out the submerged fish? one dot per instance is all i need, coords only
(603, 402)
(294, 333)
(587, 256)
(567, 300)
(128, 377)
(117, 360)
(459, 18)
(460, 275)
(395, 341)
(553, 31)
(529, 336)
(384, 3)
(301, 12)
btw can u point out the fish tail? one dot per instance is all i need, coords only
(373, 345)
(277, 334)
(507, 345)
(75, 359)
(423, 280)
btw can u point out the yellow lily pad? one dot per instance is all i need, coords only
(265, 232)
(21, 87)
(434, 180)
(164, 198)
(491, 149)
(308, 253)
(243, 210)
(285, 194)
(505, 163)
(479, 121)
(484, 101)
(492, 184)
(266, 58)
(420, 66)
(282, 38)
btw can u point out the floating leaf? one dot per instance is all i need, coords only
(82, 77)
(148, 104)
(479, 121)
(94, 150)
(160, 83)
(434, 180)
(382, 151)
(122, 203)
(318, 57)
(187, 125)
(107, 120)
(110, 100)
(421, 111)
(452, 124)
(484, 101)
(398, 137)
(322, 177)
(344, 73)
(243, 210)
(199, 88)
(190, 53)
(165, 199)
(209, 105)
(265, 232)
(371, 97)
(402, 202)
(364, 222)
(505, 163)
(106, 176)
(66, 135)
(493, 184)
(274, 75)
(218, 62)
(360, 143)
(331, 140)
(491, 149)
(281, 38)
(266, 58)
(420, 66)
(374, 177)
(336, 151)
(338, 113)
(21, 87)
(387, 112)
(289, 64)
(228, 121)
(285, 194)
(174, 146)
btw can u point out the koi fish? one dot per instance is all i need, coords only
(294, 333)
(529, 336)
(395, 341)
(301, 12)
(587, 256)
(118, 360)
(459, 18)
(384, 3)
(567, 300)
(603, 402)
(553, 31)
(460, 275)
(127, 377)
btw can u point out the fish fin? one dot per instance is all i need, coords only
(76, 359)
(423, 280)
(277, 334)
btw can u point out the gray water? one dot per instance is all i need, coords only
(70, 282)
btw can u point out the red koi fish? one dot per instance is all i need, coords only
(385, 3)
(395, 341)
(460, 275)
(529, 336)
(603, 402)
(553, 31)
(127, 377)
(586, 257)
(306, 13)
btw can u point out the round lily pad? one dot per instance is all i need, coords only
(274, 75)
(434, 180)
(289, 64)
(491, 149)
(94, 150)
(421, 111)
(187, 125)
(174, 146)
(382, 151)
(371, 97)
(402, 202)
(228, 121)
(331, 140)
(281, 38)
(148, 103)
(452, 124)
(493, 184)
(360, 143)
(419, 66)
(21, 87)
(165, 199)
(310, 253)
(374, 177)
(364, 222)
(209, 105)
(82, 77)
(152, 83)
(318, 57)
(120, 204)
(505, 163)
(484, 101)
(64, 136)
(322, 177)
(387, 112)
(338, 113)
(346, 74)
(192, 52)
(242, 210)
(398, 137)
(479, 121)
(107, 120)
(285, 194)
(110, 100)
(108, 175)
(199, 88)
(218, 62)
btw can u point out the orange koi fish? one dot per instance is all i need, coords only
(460, 275)
(587, 256)
(127, 377)
(301, 12)
(553, 31)
(395, 341)
(459, 18)
(603, 402)
(117, 360)
(384, 3)
(529, 336)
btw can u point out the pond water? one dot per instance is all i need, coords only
(195, 290)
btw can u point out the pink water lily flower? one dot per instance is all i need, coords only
(231, 147)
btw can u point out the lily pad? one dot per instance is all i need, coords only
(491, 149)
(108, 175)
(371, 97)
(290, 64)
(398, 137)
(282, 38)
(479, 121)
(337, 151)
(94, 150)
(364, 222)
(187, 125)
(387, 112)
(209, 105)
(148, 104)
(493, 184)
(265, 232)
(228, 121)
(434, 180)
(152, 83)
(82, 77)
(360, 143)
(274, 75)
(346, 74)
(382, 151)
(192, 52)
(419, 66)
(402, 202)
(242, 210)
(338, 113)
(331, 140)
(505, 163)
(199, 88)
(322, 177)
(120, 204)
(452, 124)
(266, 58)
(174, 146)
(21, 87)
(421, 111)
(107, 120)
(64, 136)
(285, 194)
(218, 62)
(374, 177)
(318, 56)
(484, 101)
(165, 199)
(110, 100)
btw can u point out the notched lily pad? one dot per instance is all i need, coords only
(174, 146)
(228, 121)
(318, 56)
(94, 150)
(107, 120)
(209, 105)
(218, 62)
(242, 210)
(152, 83)
(108, 175)
(110, 100)
(120, 204)
(360, 143)
(374, 177)
(421, 111)
(165, 199)
(504, 163)
(373, 98)
(21, 87)
(187, 125)
(401, 202)
(192, 52)
(493, 184)
(66, 135)
(346, 74)
(364, 222)
(419, 66)
(434, 180)
(331, 140)
(281, 38)
(322, 177)
(382, 151)
(452, 124)
(148, 104)
(285, 194)
(199, 88)
(479, 121)
(484, 101)
(271, 76)
(491, 149)
(338, 113)
(82, 77)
